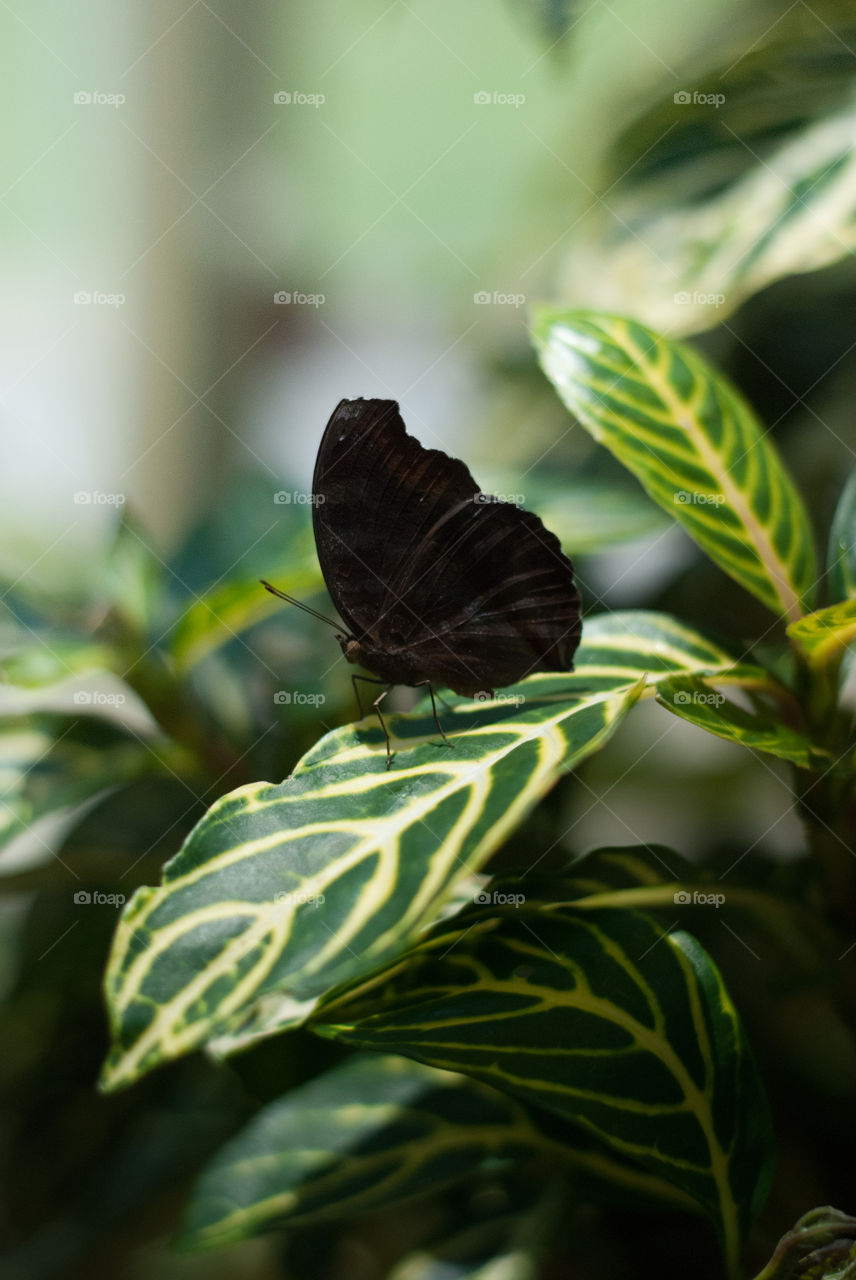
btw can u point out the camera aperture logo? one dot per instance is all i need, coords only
(683, 298)
(695, 898)
(297, 98)
(95, 98)
(496, 98)
(494, 898)
(692, 97)
(294, 298)
(296, 898)
(94, 898)
(692, 498)
(513, 699)
(497, 298)
(299, 498)
(285, 698)
(94, 698)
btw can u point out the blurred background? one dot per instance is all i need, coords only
(219, 220)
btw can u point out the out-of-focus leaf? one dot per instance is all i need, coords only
(841, 558)
(821, 1246)
(825, 636)
(586, 514)
(135, 578)
(48, 660)
(368, 1134)
(48, 763)
(231, 608)
(693, 443)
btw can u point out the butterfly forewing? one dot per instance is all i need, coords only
(439, 581)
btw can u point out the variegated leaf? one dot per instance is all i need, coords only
(703, 703)
(825, 636)
(605, 1018)
(232, 946)
(692, 441)
(283, 891)
(373, 1132)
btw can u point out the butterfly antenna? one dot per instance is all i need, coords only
(305, 607)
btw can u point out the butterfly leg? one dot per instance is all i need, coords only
(434, 710)
(367, 680)
(376, 705)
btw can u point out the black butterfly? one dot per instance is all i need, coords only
(436, 582)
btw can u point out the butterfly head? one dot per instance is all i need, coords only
(351, 648)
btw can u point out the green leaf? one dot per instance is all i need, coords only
(692, 441)
(52, 762)
(49, 659)
(825, 636)
(703, 703)
(841, 558)
(731, 183)
(606, 1019)
(135, 577)
(231, 608)
(619, 648)
(373, 1132)
(586, 513)
(282, 891)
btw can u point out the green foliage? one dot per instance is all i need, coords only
(409, 985)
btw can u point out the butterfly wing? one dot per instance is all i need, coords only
(376, 493)
(467, 591)
(487, 598)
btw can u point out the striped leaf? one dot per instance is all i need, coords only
(825, 636)
(841, 558)
(692, 441)
(237, 944)
(373, 1132)
(604, 1018)
(52, 762)
(683, 260)
(230, 608)
(703, 703)
(283, 891)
